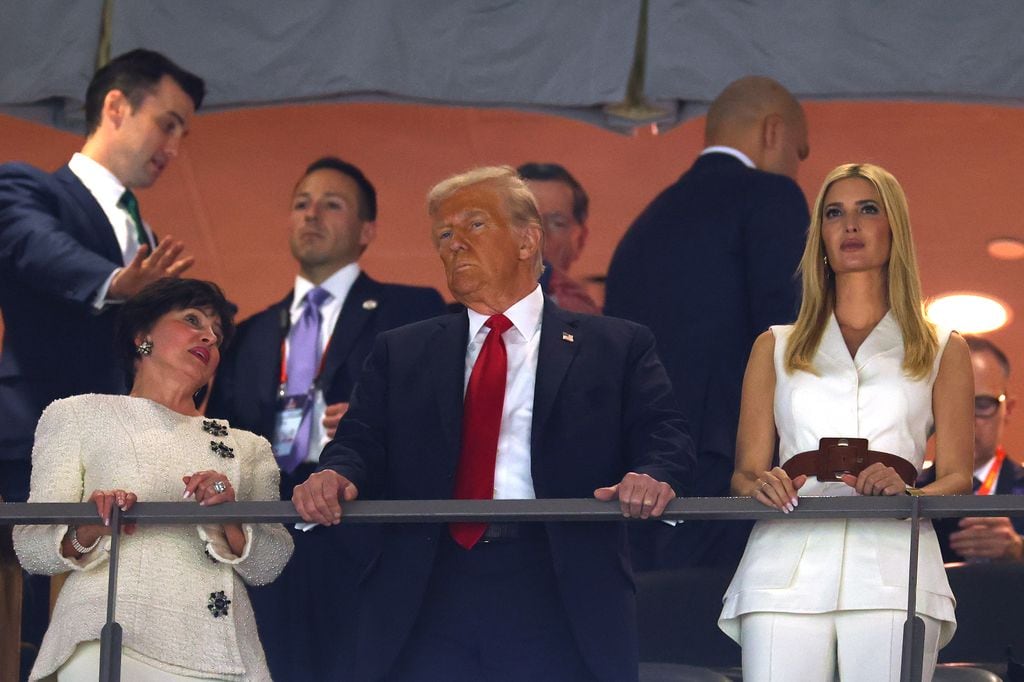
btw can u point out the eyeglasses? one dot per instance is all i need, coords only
(986, 406)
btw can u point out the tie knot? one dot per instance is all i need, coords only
(128, 202)
(317, 296)
(499, 323)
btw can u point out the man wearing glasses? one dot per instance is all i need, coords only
(988, 538)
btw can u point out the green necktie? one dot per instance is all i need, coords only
(129, 203)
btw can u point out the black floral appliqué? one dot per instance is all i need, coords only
(218, 604)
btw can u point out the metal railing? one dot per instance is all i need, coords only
(494, 511)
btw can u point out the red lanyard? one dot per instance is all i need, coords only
(993, 473)
(284, 363)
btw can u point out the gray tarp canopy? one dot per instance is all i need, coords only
(568, 57)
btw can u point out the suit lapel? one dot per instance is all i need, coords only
(359, 307)
(95, 218)
(446, 356)
(1005, 483)
(559, 341)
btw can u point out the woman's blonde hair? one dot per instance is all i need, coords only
(903, 284)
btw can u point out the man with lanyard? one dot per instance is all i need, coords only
(987, 538)
(287, 376)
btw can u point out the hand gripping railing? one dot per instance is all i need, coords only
(444, 511)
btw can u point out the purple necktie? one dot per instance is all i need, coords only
(303, 363)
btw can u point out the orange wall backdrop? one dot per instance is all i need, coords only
(227, 194)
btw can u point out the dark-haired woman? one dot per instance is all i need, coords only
(861, 367)
(181, 601)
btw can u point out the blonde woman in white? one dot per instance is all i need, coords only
(181, 599)
(863, 369)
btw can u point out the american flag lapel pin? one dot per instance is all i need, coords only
(567, 337)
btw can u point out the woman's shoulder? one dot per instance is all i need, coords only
(84, 402)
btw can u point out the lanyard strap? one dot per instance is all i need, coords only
(284, 364)
(993, 473)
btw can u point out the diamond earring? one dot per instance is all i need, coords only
(144, 348)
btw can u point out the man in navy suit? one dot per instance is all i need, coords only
(709, 265)
(70, 249)
(333, 219)
(987, 538)
(556, 405)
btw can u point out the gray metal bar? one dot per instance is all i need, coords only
(441, 511)
(110, 634)
(911, 665)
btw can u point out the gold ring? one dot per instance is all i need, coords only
(761, 487)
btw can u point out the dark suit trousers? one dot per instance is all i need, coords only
(305, 616)
(492, 613)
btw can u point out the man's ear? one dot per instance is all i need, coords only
(368, 233)
(531, 241)
(1010, 403)
(771, 131)
(116, 108)
(581, 239)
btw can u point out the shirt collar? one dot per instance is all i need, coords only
(982, 472)
(338, 285)
(100, 182)
(524, 315)
(731, 151)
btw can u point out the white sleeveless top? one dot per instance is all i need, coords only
(838, 564)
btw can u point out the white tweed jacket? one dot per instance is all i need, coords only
(169, 577)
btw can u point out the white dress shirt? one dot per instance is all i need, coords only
(106, 189)
(338, 284)
(513, 479)
(731, 151)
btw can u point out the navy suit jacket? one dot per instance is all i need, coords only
(603, 406)
(249, 376)
(56, 249)
(710, 264)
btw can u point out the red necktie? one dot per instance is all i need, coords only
(481, 421)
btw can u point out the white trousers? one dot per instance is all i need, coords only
(852, 646)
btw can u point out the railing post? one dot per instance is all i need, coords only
(913, 630)
(110, 635)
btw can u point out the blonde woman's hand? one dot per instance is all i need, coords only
(876, 479)
(776, 489)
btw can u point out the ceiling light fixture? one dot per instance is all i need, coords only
(1006, 248)
(968, 313)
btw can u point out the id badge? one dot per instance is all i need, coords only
(290, 411)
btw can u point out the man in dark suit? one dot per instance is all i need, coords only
(71, 249)
(709, 265)
(333, 220)
(987, 538)
(556, 405)
(564, 206)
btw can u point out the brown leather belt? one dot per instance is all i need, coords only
(837, 456)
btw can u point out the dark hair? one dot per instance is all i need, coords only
(141, 311)
(979, 344)
(553, 171)
(136, 74)
(367, 194)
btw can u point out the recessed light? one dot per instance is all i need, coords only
(968, 313)
(1006, 248)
